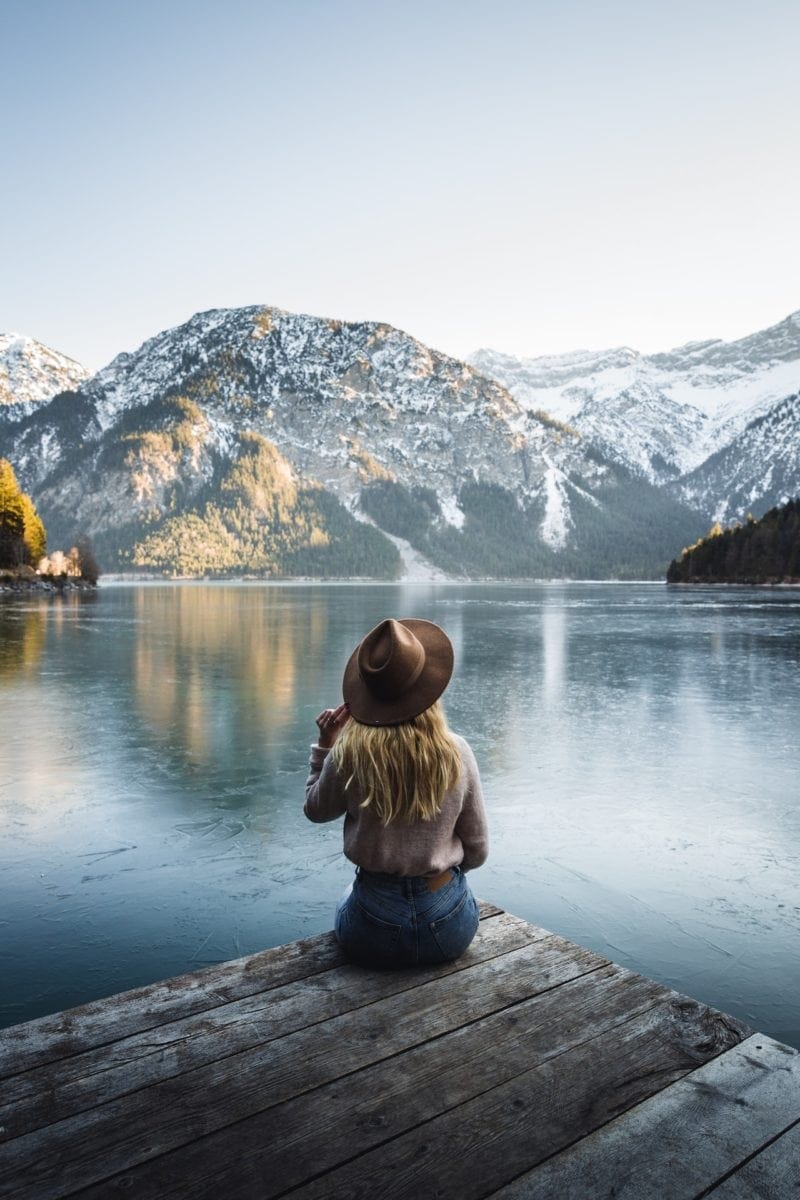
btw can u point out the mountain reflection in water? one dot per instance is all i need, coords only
(216, 670)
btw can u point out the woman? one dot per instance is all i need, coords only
(410, 794)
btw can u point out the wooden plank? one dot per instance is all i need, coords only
(57, 1090)
(93, 1145)
(681, 1141)
(772, 1174)
(476, 1148)
(281, 1148)
(101, 1022)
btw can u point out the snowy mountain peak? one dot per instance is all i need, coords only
(547, 368)
(31, 373)
(663, 414)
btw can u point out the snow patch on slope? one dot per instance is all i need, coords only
(556, 524)
(451, 512)
(416, 569)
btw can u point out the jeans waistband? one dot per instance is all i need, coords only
(406, 884)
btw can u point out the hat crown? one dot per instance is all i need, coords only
(397, 671)
(391, 659)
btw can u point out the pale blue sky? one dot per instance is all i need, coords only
(535, 177)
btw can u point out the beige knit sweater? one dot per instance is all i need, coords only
(457, 837)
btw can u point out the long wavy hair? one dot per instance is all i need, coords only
(402, 771)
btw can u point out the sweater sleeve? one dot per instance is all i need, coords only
(471, 827)
(325, 798)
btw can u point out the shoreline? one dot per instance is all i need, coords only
(44, 587)
(740, 583)
(49, 588)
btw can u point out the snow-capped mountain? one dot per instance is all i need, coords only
(661, 415)
(756, 471)
(245, 422)
(31, 373)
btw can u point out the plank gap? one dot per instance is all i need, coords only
(709, 1191)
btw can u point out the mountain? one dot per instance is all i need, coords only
(31, 373)
(757, 470)
(257, 439)
(661, 415)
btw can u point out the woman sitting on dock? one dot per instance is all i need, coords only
(410, 794)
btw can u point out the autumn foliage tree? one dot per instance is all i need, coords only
(22, 534)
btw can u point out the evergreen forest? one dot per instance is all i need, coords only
(763, 551)
(623, 537)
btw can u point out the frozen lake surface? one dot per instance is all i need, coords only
(638, 746)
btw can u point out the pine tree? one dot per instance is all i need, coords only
(763, 551)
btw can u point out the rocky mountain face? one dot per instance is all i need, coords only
(31, 373)
(757, 470)
(700, 414)
(258, 440)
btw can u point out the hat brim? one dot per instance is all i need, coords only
(367, 709)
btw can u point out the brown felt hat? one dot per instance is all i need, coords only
(397, 671)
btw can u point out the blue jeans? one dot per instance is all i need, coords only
(396, 921)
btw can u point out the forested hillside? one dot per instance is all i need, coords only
(765, 551)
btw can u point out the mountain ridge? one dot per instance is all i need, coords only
(363, 411)
(662, 415)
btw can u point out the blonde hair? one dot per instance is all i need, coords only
(402, 771)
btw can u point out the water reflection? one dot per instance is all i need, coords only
(554, 642)
(217, 669)
(22, 635)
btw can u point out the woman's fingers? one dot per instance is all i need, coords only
(330, 716)
(330, 722)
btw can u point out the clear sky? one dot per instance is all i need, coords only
(532, 176)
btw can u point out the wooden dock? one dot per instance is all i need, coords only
(530, 1068)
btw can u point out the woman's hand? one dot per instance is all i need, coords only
(330, 723)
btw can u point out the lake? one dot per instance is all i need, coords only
(638, 747)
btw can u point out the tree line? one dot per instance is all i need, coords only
(23, 538)
(763, 551)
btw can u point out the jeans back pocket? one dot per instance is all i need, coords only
(455, 930)
(366, 938)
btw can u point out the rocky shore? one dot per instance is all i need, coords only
(24, 580)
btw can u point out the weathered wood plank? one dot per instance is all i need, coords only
(57, 1090)
(774, 1173)
(104, 1021)
(681, 1141)
(476, 1148)
(273, 1151)
(92, 1145)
